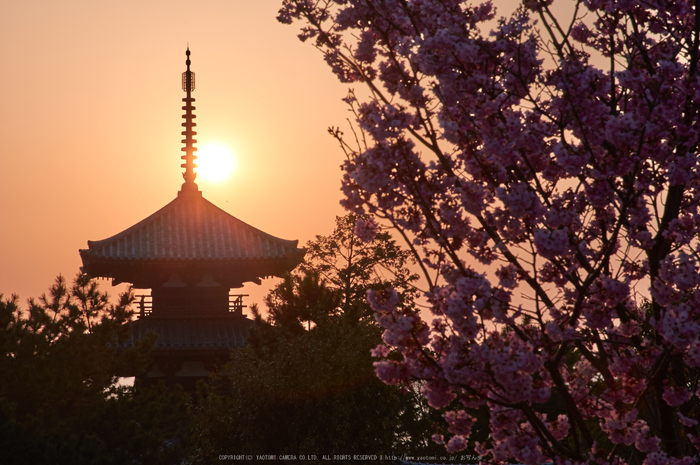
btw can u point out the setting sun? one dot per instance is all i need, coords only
(215, 162)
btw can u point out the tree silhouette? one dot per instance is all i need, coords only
(351, 267)
(60, 400)
(305, 381)
(299, 299)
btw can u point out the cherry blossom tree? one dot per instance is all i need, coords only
(543, 169)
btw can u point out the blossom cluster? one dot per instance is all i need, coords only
(543, 167)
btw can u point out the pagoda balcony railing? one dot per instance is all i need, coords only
(145, 304)
(235, 303)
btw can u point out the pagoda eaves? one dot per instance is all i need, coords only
(188, 236)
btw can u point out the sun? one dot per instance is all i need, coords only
(215, 162)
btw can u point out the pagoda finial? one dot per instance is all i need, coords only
(189, 157)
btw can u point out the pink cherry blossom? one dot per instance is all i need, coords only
(366, 229)
(676, 395)
(543, 168)
(456, 443)
(687, 421)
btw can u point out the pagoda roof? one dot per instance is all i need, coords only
(191, 333)
(190, 241)
(191, 231)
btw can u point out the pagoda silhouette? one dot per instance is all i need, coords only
(190, 254)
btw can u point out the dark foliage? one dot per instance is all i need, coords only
(60, 400)
(312, 393)
(350, 266)
(305, 384)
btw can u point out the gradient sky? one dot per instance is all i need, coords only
(90, 124)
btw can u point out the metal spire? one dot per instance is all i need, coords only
(189, 157)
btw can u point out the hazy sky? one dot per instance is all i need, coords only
(91, 113)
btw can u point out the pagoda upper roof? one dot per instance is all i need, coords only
(190, 241)
(189, 231)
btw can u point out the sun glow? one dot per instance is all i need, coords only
(215, 162)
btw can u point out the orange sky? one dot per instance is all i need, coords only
(91, 119)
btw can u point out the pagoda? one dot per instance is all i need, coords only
(189, 254)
